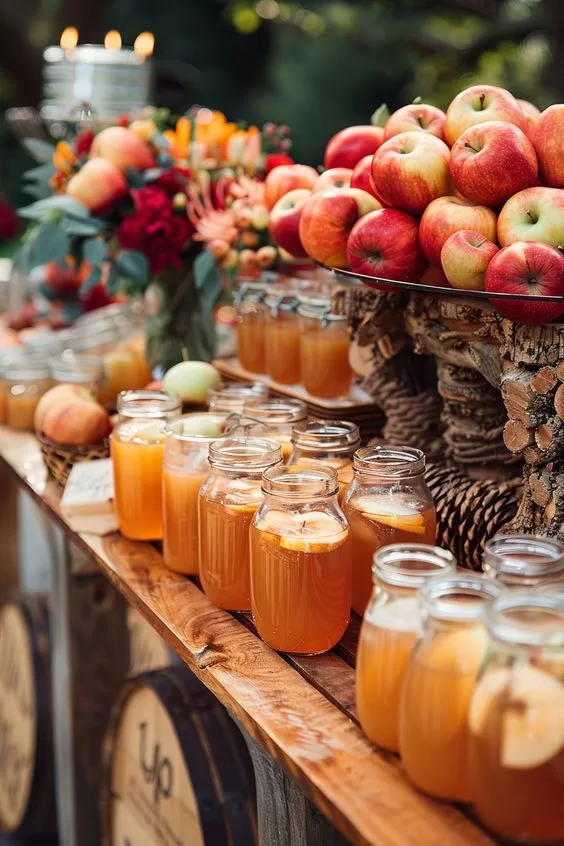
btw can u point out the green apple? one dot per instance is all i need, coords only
(192, 381)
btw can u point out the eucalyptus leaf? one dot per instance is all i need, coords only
(151, 175)
(134, 265)
(61, 202)
(94, 250)
(82, 228)
(380, 116)
(42, 172)
(135, 177)
(112, 282)
(50, 243)
(41, 151)
(205, 267)
(37, 190)
(91, 280)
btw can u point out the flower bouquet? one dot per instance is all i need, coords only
(169, 213)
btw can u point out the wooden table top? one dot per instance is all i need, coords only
(300, 710)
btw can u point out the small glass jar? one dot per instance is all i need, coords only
(8, 356)
(300, 561)
(97, 339)
(324, 352)
(231, 398)
(523, 560)
(125, 369)
(279, 416)
(388, 501)
(137, 446)
(185, 469)
(252, 320)
(282, 342)
(516, 720)
(391, 626)
(74, 369)
(330, 443)
(26, 380)
(228, 501)
(44, 343)
(439, 681)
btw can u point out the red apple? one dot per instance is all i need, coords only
(285, 219)
(492, 161)
(446, 215)
(465, 258)
(97, 185)
(335, 177)
(419, 117)
(350, 145)
(410, 170)
(122, 148)
(327, 220)
(527, 267)
(285, 178)
(536, 214)
(531, 114)
(547, 136)
(384, 243)
(362, 176)
(69, 414)
(479, 104)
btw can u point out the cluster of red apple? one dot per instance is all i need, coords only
(471, 198)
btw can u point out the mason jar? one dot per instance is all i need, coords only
(72, 368)
(282, 341)
(231, 398)
(324, 352)
(330, 443)
(523, 560)
(278, 416)
(25, 380)
(252, 323)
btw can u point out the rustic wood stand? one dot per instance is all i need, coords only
(316, 771)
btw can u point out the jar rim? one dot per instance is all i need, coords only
(147, 403)
(72, 363)
(442, 594)
(388, 461)
(276, 411)
(336, 436)
(391, 564)
(25, 368)
(239, 391)
(175, 428)
(506, 618)
(240, 454)
(300, 482)
(324, 315)
(524, 557)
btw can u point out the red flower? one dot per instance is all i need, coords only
(83, 142)
(9, 221)
(160, 238)
(97, 297)
(152, 199)
(173, 181)
(277, 159)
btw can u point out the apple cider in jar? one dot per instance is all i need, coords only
(26, 380)
(524, 560)
(300, 561)
(516, 720)
(228, 501)
(231, 398)
(252, 322)
(390, 628)
(329, 443)
(324, 352)
(387, 502)
(282, 344)
(278, 416)
(439, 682)
(137, 446)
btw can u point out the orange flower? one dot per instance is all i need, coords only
(64, 160)
(179, 139)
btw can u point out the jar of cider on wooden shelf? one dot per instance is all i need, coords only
(516, 720)
(8, 355)
(331, 443)
(137, 446)
(439, 682)
(72, 368)
(524, 560)
(278, 416)
(324, 350)
(390, 628)
(26, 381)
(388, 501)
(231, 398)
(282, 344)
(252, 321)
(300, 561)
(228, 501)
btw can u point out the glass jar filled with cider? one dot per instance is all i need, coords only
(231, 398)
(278, 416)
(324, 351)
(524, 560)
(252, 320)
(300, 561)
(282, 343)
(227, 504)
(388, 501)
(331, 443)
(25, 380)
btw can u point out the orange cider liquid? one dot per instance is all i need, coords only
(251, 333)
(224, 545)
(20, 409)
(517, 752)
(301, 581)
(435, 700)
(282, 349)
(180, 520)
(387, 637)
(376, 521)
(325, 368)
(137, 458)
(343, 466)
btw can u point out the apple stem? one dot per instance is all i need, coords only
(532, 217)
(470, 147)
(482, 101)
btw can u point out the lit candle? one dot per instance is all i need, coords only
(144, 44)
(69, 38)
(112, 40)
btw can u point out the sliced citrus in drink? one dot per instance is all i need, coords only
(313, 531)
(391, 513)
(459, 650)
(243, 496)
(150, 433)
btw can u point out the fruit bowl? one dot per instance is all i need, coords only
(60, 459)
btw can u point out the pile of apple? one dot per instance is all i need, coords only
(471, 198)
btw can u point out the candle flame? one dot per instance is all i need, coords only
(69, 38)
(144, 44)
(112, 40)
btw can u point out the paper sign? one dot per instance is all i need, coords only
(87, 501)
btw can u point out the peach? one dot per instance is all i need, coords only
(69, 415)
(285, 178)
(123, 148)
(97, 185)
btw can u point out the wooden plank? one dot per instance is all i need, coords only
(9, 573)
(363, 792)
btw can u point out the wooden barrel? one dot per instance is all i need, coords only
(27, 800)
(176, 770)
(147, 650)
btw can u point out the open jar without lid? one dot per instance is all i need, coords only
(282, 340)
(95, 340)
(523, 560)
(70, 367)
(148, 405)
(45, 344)
(516, 719)
(25, 382)
(299, 543)
(252, 318)
(328, 442)
(231, 398)
(279, 416)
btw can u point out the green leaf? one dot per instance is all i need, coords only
(151, 175)
(41, 173)
(91, 280)
(94, 250)
(82, 228)
(67, 205)
(205, 268)
(134, 265)
(112, 281)
(380, 116)
(50, 243)
(37, 190)
(41, 151)
(134, 177)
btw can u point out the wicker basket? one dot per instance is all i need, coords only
(59, 460)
